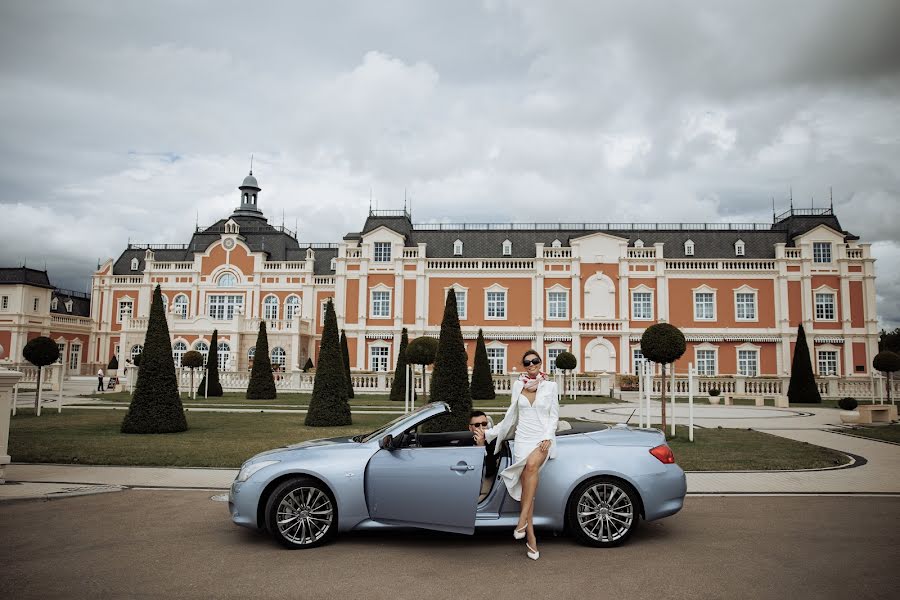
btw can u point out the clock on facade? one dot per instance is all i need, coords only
(228, 243)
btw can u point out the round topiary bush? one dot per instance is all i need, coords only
(887, 361)
(566, 361)
(714, 391)
(848, 403)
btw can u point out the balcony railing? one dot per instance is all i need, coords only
(600, 325)
(557, 253)
(793, 253)
(641, 253)
(129, 279)
(68, 320)
(480, 264)
(172, 266)
(284, 266)
(719, 265)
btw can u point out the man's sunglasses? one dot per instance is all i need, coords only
(533, 361)
(482, 424)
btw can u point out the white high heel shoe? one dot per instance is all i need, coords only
(532, 553)
(520, 533)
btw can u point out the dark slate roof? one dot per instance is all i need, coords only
(399, 223)
(81, 303)
(24, 275)
(798, 224)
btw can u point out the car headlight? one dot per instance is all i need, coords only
(247, 471)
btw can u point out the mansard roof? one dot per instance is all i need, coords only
(24, 276)
(81, 303)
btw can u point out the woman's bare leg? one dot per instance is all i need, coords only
(530, 478)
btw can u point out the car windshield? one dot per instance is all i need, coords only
(381, 430)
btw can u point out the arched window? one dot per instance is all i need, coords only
(270, 308)
(134, 264)
(739, 248)
(224, 355)
(227, 280)
(457, 248)
(556, 244)
(279, 356)
(54, 303)
(507, 248)
(180, 305)
(178, 350)
(136, 350)
(251, 353)
(203, 348)
(291, 307)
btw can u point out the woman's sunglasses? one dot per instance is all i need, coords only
(533, 361)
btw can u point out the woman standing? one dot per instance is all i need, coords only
(533, 414)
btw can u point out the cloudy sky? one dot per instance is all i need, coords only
(132, 120)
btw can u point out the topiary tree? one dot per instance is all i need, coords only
(482, 387)
(421, 351)
(214, 389)
(345, 356)
(309, 365)
(113, 363)
(802, 387)
(328, 406)
(41, 352)
(262, 382)
(888, 363)
(450, 380)
(398, 387)
(889, 340)
(156, 405)
(192, 360)
(565, 362)
(663, 343)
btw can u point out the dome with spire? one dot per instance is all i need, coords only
(250, 181)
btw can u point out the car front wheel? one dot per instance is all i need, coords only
(301, 513)
(603, 512)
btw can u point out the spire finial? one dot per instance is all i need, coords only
(404, 199)
(773, 209)
(792, 199)
(251, 163)
(370, 201)
(831, 198)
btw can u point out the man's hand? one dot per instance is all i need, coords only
(479, 437)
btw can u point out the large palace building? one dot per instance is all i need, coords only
(737, 291)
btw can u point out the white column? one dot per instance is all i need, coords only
(8, 379)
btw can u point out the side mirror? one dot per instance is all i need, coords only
(387, 442)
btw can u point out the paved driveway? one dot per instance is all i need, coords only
(180, 544)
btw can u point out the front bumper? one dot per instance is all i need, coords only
(243, 502)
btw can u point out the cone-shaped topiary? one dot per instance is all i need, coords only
(113, 363)
(802, 387)
(421, 351)
(482, 382)
(663, 343)
(214, 389)
(450, 380)
(345, 357)
(328, 406)
(156, 405)
(398, 387)
(309, 365)
(262, 382)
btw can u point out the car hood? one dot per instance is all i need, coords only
(322, 442)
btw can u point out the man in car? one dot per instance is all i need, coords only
(478, 423)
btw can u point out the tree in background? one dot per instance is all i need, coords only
(156, 404)
(802, 387)
(888, 363)
(113, 364)
(450, 380)
(398, 387)
(663, 343)
(889, 340)
(41, 352)
(328, 406)
(309, 365)
(565, 362)
(345, 356)
(421, 351)
(482, 382)
(192, 360)
(262, 382)
(214, 389)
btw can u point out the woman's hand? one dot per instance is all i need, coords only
(544, 445)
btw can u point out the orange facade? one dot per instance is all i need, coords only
(681, 302)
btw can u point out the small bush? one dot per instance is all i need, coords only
(714, 391)
(628, 383)
(848, 403)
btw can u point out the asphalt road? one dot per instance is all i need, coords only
(180, 544)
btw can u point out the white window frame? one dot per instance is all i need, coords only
(74, 354)
(322, 304)
(819, 257)
(201, 346)
(270, 308)
(378, 252)
(223, 355)
(4, 302)
(557, 289)
(380, 289)
(819, 361)
(135, 264)
(333, 264)
(229, 304)
(61, 346)
(54, 303)
(462, 308)
(228, 283)
(277, 356)
(635, 360)
(69, 304)
(176, 306)
(751, 349)
(292, 307)
(136, 350)
(36, 304)
(556, 244)
(747, 290)
(641, 289)
(496, 289)
(179, 348)
(638, 243)
(706, 290)
(825, 291)
(498, 357)
(689, 248)
(121, 302)
(458, 248)
(383, 357)
(251, 352)
(507, 248)
(740, 249)
(706, 348)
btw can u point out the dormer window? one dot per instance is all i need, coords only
(507, 248)
(457, 248)
(739, 248)
(689, 248)
(134, 264)
(54, 303)
(334, 264)
(639, 244)
(232, 227)
(556, 244)
(68, 306)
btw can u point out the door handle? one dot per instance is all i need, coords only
(463, 467)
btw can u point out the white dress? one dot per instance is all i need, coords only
(530, 433)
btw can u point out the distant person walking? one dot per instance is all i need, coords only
(100, 380)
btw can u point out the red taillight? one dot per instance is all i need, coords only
(664, 454)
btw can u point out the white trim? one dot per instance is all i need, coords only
(381, 288)
(689, 248)
(458, 247)
(497, 345)
(600, 341)
(135, 264)
(824, 289)
(507, 248)
(379, 344)
(746, 289)
(707, 347)
(740, 248)
(705, 289)
(497, 288)
(747, 347)
(557, 288)
(266, 305)
(119, 302)
(457, 288)
(837, 358)
(641, 289)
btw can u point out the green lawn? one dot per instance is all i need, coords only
(889, 433)
(227, 439)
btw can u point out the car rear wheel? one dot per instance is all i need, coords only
(603, 512)
(301, 513)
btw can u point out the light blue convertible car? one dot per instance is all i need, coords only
(603, 481)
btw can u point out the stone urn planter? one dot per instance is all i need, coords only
(714, 396)
(848, 413)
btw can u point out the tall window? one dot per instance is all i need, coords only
(134, 264)
(382, 251)
(821, 252)
(745, 306)
(381, 304)
(828, 362)
(224, 355)
(203, 348)
(457, 248)
(552, 353)
(461, 306)
(825, 306)
(278, 356)
(637, 359)
(378, 358)
(4, 303)
(642, 306)
(180, 305)
(689, 248)
(706, 362)
(739, 248)
(126, 308)
(557, 305)
(62, 350)
(507, 248)
(74, 355)
(497, 360)
(748, 363)
(496, 305)
(704, 306)
(291, 307)
(223, 306)
(178, 350)
(227, 280)
(270, 308)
